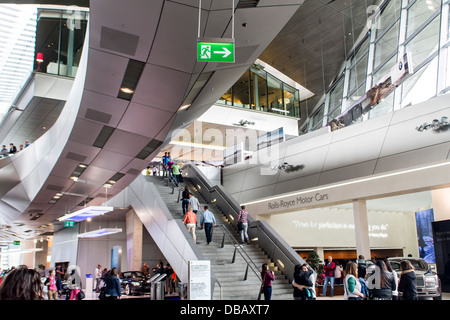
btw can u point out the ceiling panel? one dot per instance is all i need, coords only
(175, 43)
(161, 87)
(111, 160)
(143, 120)
(106, 76)
(103, 103)
(85, 131)
(126, 143)
(141, 23)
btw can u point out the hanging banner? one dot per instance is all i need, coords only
(424, 220)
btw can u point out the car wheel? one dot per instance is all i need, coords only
(128, 290)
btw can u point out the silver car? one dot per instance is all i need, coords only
(428, 283)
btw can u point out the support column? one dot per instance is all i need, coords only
(441, 204)
(134, 241)
(361, 228)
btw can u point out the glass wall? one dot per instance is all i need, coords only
(258, 90)
(418, 29)
(59, 41)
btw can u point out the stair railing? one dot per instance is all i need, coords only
(238, 249)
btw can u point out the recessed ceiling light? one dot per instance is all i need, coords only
(126, 90)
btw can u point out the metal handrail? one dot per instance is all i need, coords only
(220, 288)
(238, 248)
(170, 178)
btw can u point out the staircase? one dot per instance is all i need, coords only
(230, 276)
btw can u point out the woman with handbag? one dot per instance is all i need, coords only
(267, 277)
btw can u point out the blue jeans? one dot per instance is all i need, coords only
(331, 279)
(185, 205)
(208, 227)
(267, 293)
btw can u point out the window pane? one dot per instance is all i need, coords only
(420, 86)
(334, 113)
(377, 76)
(291, 100)
(258, 89)
(419, 12)
(358, 74)
(384, 106)
(317, 118)
(275, 93)
(425, 43)
(241, 92)
(226, 99)
(386, 45)
(336, 94)
(355, 96)
(390, 14)
(362, 50)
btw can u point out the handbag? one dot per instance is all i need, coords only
(81, 295)
(240, 226)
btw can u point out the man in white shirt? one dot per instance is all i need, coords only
(194, 203)
(209, 221)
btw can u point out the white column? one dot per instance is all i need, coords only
(441, 204)
(134, 240)
(361, 228)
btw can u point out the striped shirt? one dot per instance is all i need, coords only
(242, 216)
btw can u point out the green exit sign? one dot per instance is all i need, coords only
(215, 50)
(69, 223)
(16, 243)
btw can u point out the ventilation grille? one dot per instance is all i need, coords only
(247, 4)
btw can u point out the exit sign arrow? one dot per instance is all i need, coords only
(225, 52)
(215, 50)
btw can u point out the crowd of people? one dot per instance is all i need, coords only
(5, 152)
(381, 283)
(23, 283)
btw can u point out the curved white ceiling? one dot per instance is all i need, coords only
(161, 35)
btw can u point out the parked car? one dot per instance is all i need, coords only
(134, 282)
(428, 282)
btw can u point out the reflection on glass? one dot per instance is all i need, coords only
(425, 43)
(419, 12)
